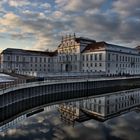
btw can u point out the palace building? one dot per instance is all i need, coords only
(70, 53)
(88, 56)
(74, 55)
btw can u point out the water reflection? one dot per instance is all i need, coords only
(21, 118)
(46, 124)
(101, 107)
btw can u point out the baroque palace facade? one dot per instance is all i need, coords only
(74, 55)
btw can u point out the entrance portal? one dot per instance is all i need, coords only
(68, 68)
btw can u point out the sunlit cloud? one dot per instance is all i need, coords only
(18, 3)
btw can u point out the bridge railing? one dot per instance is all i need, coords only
(9, 84)
(21, 83)
(24, 83)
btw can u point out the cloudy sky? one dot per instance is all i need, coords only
(39, 24)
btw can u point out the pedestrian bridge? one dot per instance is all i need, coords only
(25, 96)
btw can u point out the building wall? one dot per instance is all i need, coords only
(94, 61)
(107, 59)
(26, 63)
(112, 61)
(120, 63)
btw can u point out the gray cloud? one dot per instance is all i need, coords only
(79, 5)
(119, 24)
(127, 8)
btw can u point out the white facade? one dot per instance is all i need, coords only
(94, 62)
(74, 55)
(87, 56)
(112, 59)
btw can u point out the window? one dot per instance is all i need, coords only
(23, 59)
(123, 58)
(116, 57)
(59, 58)
(126, 58)
(31, 59)
(100, 56)
(87, 57)
(49, 59)
(75, 57)
(108, 56)
(83, 58)
(91, 57)
(17, 58)
(108, 64)
(75, 67)
(99, 109)
(120, 58)
(36, 59)
(44, 59)
(95, 56)
(70, 58)
(8, 57)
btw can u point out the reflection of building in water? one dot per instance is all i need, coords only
(70, 111)
(102, 107)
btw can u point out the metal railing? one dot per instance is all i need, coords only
(24, 83)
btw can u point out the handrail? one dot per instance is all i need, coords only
(21, 83)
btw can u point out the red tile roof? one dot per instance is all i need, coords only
(95, 46)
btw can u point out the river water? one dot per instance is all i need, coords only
(49, 125)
